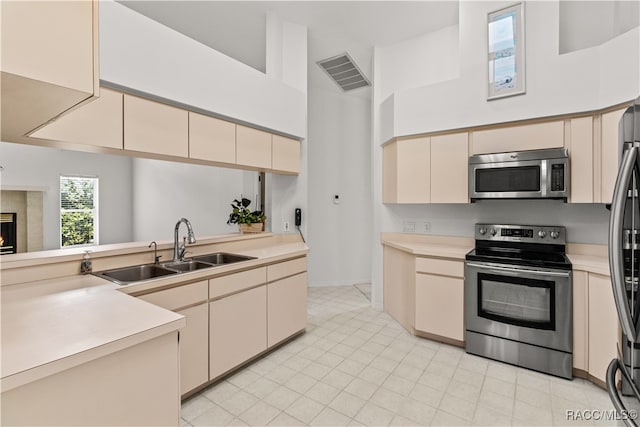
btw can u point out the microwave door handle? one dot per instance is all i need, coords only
(616, 258)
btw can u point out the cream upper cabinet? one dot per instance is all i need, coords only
(211, 139)
(237, 328)
(449, 168)
(286, 154)
(155, 128)
(253, 147)
(609, 153)
(98, 123)
(518, 138)
(406, 171)
(49, 61)
(579, 142)
(50, 41)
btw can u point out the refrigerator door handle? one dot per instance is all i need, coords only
(626, 415)
(625, 174)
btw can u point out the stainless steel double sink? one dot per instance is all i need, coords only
(137, 273)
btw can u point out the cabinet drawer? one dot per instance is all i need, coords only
(287, 268)
(181, 296)
(440, 266)
(237, 282)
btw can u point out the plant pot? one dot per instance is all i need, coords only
(256, 227)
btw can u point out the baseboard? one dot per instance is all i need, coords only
(338, 283)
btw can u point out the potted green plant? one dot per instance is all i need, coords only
(248, 221)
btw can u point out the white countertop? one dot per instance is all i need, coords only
(52, 325)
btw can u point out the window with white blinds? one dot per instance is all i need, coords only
(78, 211)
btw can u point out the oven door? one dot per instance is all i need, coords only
(530, 305)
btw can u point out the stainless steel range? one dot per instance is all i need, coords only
(518, 297)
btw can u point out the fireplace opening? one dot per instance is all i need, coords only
(8, 233)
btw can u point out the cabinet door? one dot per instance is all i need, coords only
(440, 306)
(286, 154)
(155, 128)
(603, 326)
(98, 123)
(518, 138)
(609, 153)
(253, 147)
(50, 41)
(449, 168)
(194, 348)
(237, 328)
(581, 320)
(406, 171)
(580, 145)
(286, 308)
(49, 62)
(211, 139)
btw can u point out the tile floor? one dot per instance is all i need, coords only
(357, 366)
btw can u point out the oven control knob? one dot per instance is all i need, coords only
(542, 234)
(482, 231)
(493, 231)
(554, 234)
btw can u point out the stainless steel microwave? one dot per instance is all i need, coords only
(534, 174)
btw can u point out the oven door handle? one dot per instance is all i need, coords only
(518, 271)
(616, 224)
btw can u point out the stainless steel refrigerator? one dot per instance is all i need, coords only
(624, 261)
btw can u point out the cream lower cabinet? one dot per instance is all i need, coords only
(440, 298)
(286, 300)
(137, 386)
(425, 294)
(190, 301)
(237, 329)
(596, 329)
(604, 332)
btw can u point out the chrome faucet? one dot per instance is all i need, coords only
(178, 251)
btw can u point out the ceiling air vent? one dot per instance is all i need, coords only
(344, 72)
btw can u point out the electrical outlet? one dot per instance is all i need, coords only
(285, 226)
(408, 226)
(426, 227)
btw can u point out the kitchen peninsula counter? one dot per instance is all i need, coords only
(52, 325)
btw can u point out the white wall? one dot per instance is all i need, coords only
(142, 54)
(164, 192)
(583, 80)
(26, 165)
(579, 81)
(339, 152)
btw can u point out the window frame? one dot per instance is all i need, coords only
(94, 211)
